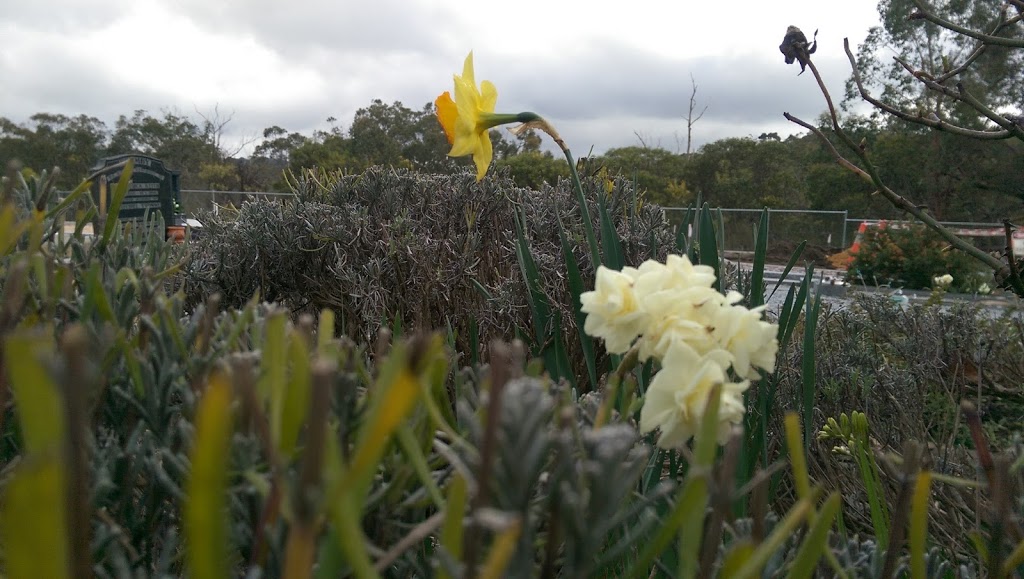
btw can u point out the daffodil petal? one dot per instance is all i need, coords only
(467, 69)
(488, 96)
(447, 113)
(483, 156)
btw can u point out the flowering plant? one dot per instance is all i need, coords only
(670, 312)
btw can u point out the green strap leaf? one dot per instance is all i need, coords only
(206, 525)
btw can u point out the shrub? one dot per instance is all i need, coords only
(143, 438)
(911, 258)
(399, 249)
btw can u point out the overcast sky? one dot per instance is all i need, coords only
(602, 72)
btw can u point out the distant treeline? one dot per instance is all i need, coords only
(957, 178)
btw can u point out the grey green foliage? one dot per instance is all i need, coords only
(390, 244)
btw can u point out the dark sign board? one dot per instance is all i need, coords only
(153, 190)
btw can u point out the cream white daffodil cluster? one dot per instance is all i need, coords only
(671, 313)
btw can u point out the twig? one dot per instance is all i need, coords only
(939, 125)
(832, 149)
(980, 48)
(923, 13)
(896, 199)
(416, 535)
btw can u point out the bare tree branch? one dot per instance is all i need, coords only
(924, 13)
(937, 124)
(690, 120)
(870, 172)
(980, 48)
(831, 148)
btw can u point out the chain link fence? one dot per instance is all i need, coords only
(825, 230)
(195, 202)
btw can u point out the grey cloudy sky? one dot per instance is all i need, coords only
(602, 72)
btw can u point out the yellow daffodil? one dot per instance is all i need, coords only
(468, 117)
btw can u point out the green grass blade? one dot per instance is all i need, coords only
(807, 363)
(120, 191)
(693, 495)
(72, 197)
(755, 562)
(790, 314)
(297, 394)
(789, 266)
(274, 373)
(325, 331)
(539, 306)
(816, 540)
(610, 241)
(453, 526)
(708, 244)
(756, 297)
(581, 199)
(576, 288)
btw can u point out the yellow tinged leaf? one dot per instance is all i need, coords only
(300, 551)
(755, 563)
(296, 396)
(1014, 560)
(501, 552)
(37, 397)
(325, 331)
(273, 382)
(737, 556)
(33, 524)
(398, 400)
(796, 455)
(206, 527)
(452, 530)
(918, 534)
(10, 228)
(816, 540)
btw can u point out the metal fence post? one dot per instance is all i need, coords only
(846, 219)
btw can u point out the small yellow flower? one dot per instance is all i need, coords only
(468, 117)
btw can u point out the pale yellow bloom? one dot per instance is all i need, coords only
(943, 281)
(752, 341)
(613, 312)
(678, 394)
(696, 333)
(684, 314)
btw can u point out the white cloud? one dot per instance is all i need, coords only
(601, 70)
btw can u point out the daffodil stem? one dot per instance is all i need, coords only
(614, 383)
(492, 120)
(588, 225)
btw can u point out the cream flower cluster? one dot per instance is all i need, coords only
(670, 312)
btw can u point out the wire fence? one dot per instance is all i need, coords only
(195, 202)
(828, 231)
